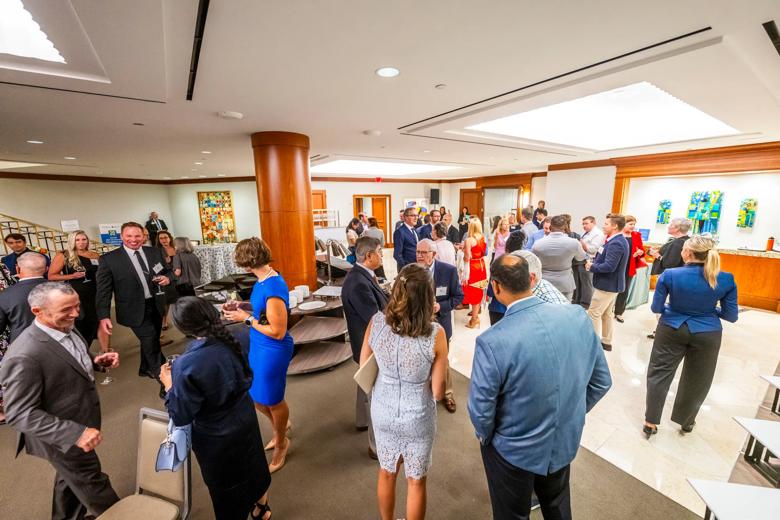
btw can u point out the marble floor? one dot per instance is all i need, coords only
(613, 428)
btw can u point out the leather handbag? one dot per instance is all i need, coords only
(175, 448)
(365, 377)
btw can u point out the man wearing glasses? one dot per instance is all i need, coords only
(405, 240)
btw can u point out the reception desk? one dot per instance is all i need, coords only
(757, 274)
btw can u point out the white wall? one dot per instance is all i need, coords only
(644, 195)
(450, 195)
(538, 190)
(582, 192)
(92, 203)
(184, 207)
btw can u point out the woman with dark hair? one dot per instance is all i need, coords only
(270, 345)
(463, 221)
(164, 242)
(352, 236)
(207, 388)
(411, 352)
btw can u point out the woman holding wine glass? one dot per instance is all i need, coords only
(78, 266)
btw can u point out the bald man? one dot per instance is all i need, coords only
(14, 309)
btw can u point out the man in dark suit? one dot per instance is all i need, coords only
(405, 240)
(449, 294)
(131, 274)
(362, 299)
(17, 243)
(669, 255)
(425, 230)
(154, 225)
(453, 233)
(51, 401)
(14, 309)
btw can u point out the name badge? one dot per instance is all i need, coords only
(601, 250)
(157, 268)
(94, 261)
(441, 291)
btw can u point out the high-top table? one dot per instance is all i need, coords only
(216, 261)
(763, 444)
(727, 501)
(774, 381)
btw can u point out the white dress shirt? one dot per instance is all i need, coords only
(139, 271)
(594, 239)
(445, 252)
(73, 344)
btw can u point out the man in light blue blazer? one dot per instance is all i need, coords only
(535, 375)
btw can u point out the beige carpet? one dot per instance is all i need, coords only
(329, 474)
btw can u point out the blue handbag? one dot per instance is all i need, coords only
(175, 448)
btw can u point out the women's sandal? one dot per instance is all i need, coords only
(264, 508)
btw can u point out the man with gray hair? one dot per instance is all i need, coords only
(14, 309)
(362, 298)
(669, 255)
(51, 401)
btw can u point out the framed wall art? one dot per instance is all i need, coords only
(747, 213)
(217, 220)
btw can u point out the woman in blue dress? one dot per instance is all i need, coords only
(270, 345)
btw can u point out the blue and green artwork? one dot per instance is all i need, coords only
(704, 211)
(664, 212)
(747, 213)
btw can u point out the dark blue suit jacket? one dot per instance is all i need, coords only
(425, 231)
(449, 294)
(14, 310)
(405, 246)
(609, 266)
(361, 297)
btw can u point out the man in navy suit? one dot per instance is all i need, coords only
(609, 277)
(425, 231)
(405, 240)
(362, 298)
(449, 294)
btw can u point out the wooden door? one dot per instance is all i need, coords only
(319, 201)
(472, 199)
(379, 207)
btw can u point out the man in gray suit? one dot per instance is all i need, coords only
(51, 401)
(556, 251)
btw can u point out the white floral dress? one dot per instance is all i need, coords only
(403, 410)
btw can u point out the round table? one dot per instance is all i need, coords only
(216, 261)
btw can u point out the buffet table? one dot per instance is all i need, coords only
(216, 261)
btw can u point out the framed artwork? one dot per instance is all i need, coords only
(747, 213)
(704, 211)
(217, 220)
(421, 205)
(664, 212)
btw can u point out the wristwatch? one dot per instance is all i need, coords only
(248, 321)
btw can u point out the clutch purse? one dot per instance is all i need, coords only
(175, 448)
(365, 377)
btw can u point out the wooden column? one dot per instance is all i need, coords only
(284, 199)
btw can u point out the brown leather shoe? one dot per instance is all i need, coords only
(372, 453)
(606, 346)
(449, 404)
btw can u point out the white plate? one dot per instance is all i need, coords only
(310, 306)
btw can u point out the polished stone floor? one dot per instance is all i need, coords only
(613, 428)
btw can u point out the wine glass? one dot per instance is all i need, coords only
(157, 280)
(81, 269)
(108, 379)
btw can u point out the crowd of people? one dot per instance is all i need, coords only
(552, 295)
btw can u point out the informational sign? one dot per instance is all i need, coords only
(69, 225)
(645, 234)
(110, 234)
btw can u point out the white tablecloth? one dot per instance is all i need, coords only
(216, 261)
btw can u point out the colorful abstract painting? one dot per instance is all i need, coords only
(747, 213)
(421, 205)
(704, 211)
(664, 212)
(217, 221)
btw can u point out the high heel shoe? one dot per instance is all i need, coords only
(264, 508)
(272, 443)
(648, 431)
(473, 323)
(276, 467)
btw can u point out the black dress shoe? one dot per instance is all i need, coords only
(619, 319)
(688, 428)
(606, 346)
(361, 428)
(649, 431)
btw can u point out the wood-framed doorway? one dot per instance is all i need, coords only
(472, 198)
(380, 207)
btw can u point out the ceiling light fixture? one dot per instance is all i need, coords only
(69, 158)
(166, 178)
(199, 163)
(34, 141)
(20, 34)
(228, 114)
(636, 115)
(377, 168)
(426, 151)
(387, 72)
(205, 152)
(220, 175)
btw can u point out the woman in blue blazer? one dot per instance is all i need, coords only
(689, 329)
(208, 387)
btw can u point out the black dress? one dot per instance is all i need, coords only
(210, 391)
(87, 323)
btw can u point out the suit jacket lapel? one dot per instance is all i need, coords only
(60, 352)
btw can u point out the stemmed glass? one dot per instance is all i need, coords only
(157, 280)
(81, 269)
(108, 379)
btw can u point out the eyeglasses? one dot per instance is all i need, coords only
(421, 253)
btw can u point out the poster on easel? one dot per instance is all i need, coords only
(110, 234)
(217, 220)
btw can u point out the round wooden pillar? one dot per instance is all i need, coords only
(284, 199)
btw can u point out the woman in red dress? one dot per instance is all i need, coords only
(474, 250)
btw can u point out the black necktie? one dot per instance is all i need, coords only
(141, 261)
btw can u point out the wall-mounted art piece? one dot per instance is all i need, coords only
(217, 221)
(747, 213)
(664, 212)
(421, 205)
(704, 211)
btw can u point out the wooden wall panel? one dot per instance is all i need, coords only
(757, 278)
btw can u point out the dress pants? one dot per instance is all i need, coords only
(584, 291)
(148, 333)
(622, 298)
(80, 487)
(670, 347)
(601, 313)
(363, 416)
(495, 317)
(510, 489)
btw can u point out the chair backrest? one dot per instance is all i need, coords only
(171, 485)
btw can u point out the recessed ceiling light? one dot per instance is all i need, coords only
(640, 114)
(202, 176)
(198, 163)
(20, 34)
(205, 152)
(185, 177)
(229, 114)
(426, 151)
(34, 141)
(69, 158)
(356, 167)
(139, 124)
(166, 177)
(387, 72)
(440, 86)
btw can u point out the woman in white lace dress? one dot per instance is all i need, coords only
(411, 351)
